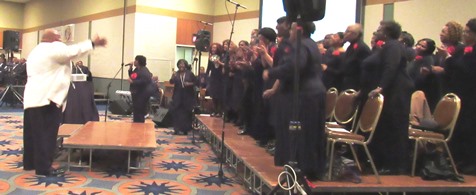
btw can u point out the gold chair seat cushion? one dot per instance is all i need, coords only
(425, 134)
(342, 135)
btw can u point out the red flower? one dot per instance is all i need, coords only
(468, 49)
(451, 50)
(336, 53)
(134, 75)
(356, 46)
(287, 50)
(418, 57)
(380, 43)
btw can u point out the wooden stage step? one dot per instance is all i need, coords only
(260, 174)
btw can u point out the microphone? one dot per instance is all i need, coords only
(206, 23)
(237, 4)
(128, 64)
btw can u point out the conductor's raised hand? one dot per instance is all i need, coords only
(99, 41)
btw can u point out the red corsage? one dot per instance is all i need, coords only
(418, 57)
(134, 75)
(336, 53)
(356, 46)
(451, 50)
(468, 49)
(380, 43)
(287, 50)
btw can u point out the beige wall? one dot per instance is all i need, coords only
(422, 18)
(43, 12)
(222, 5)
(12, 15)
(425, 18)
(191, 6)
(372, 18)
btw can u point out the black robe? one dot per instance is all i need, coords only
(183, 101)
(390, 142)
(141, 78)
(332, 76)
(310, 142)
(354, 55)
(462, 71)
(80, 106)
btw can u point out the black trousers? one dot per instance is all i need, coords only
(40, 131)
(139, 106)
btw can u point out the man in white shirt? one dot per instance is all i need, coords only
(49, 77)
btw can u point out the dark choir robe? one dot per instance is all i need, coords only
(354, 55)
(327, 55)
(80, 106)
(425, 83)
(390, 143)
(443, 80)
(332, 76)
(141, 79)
(183, 101)
(370, 74)
(310, 142)
(462, 72)
(215, 88)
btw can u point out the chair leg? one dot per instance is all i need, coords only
(331, 159)
(451, 158)
(372, 163)
(415, 155)
(356, 158)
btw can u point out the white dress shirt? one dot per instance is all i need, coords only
(49, 72)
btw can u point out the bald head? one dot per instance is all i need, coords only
(50, 35)
(353, 32)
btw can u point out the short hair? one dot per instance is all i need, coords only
(141, 60)
(268, 33)
(471, 24)
(407, 39)
(182, 61)
(282, 19)
(430, 46)
(340, 34)
(391, 29)
(244, 42)
(308, 28)
(455, 32)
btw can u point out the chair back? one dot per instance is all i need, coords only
(202, 93)
(331, 99)
(446, 113)
(346, 106)
(370, 115)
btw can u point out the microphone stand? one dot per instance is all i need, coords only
(109, 86)
(225, 83)
(293, 175)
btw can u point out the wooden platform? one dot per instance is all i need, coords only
(112, 136)
(260, 174)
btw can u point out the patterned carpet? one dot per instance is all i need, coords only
(178, 168)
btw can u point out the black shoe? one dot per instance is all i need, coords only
(52, 173)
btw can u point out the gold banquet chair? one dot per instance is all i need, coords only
(361, 135)
(445, 115)
(345, 108)
(331, 99)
